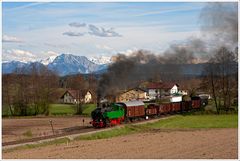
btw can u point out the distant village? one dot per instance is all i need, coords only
(146, 92)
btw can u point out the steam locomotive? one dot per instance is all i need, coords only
(120, 112)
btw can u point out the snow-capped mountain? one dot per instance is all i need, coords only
(101, 59)
(64, 64)
(71, 64)
(10, 67)
(67, 64)
(48, 60)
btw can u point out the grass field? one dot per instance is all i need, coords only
(197, 121)
(57, 109)
(69, 109)
(88, 108)
(176, 122)
(62, 109)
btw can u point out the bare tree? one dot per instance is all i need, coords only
(79, 84)
(6, 90)
(21, 99)
(220, 77)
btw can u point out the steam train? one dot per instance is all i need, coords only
(124, 112)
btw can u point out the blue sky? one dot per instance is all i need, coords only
(34, 31)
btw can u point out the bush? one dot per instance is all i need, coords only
(28, 133)
(186, 98)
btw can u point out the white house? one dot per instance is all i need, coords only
(161, 90)
(74, 96)
(88, 97)
(173, 89)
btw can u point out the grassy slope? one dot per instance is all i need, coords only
(177, 122)
(198, 121)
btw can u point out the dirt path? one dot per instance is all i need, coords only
(212, 143)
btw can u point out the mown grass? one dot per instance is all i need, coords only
(70, 109)
(197, 121)
(62, 109)
(88, 108)
(176, 122)
(128, 129)
(56, 109)
(30, 146)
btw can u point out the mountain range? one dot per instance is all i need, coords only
(64, 64)
(68, 64)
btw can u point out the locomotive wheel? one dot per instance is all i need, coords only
(107, 122)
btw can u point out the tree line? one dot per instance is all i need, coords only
(221, 78)
(31, 91)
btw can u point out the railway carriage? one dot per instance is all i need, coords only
(152, 110)
(120, 112)
(133, 110)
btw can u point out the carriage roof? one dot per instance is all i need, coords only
(134, 103)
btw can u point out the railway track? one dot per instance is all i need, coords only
(72, 134)
(83, 130)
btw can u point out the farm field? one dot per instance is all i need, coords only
(22, 128)
(58, 109)
(190, 136)
(190, 144)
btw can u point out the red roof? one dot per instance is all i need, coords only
(73, 93)
(161, 85)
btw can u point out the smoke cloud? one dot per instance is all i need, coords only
(142, 65)
(219, 23)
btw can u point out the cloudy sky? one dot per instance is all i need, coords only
(34, 31)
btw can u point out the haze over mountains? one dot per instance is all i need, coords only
(68, 64)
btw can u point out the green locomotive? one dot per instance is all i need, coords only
(112, 115)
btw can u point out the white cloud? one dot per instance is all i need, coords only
(7, 38)
(49, 54)
(70, 33)
(102, 32)
(18, 55)
(128, 52)
(76, 24)
(104, 47)
(154, 38)
(27, 56)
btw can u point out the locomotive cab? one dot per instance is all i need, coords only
(107, 116)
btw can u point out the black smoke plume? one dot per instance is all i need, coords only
(219, 23)
(128, 71)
